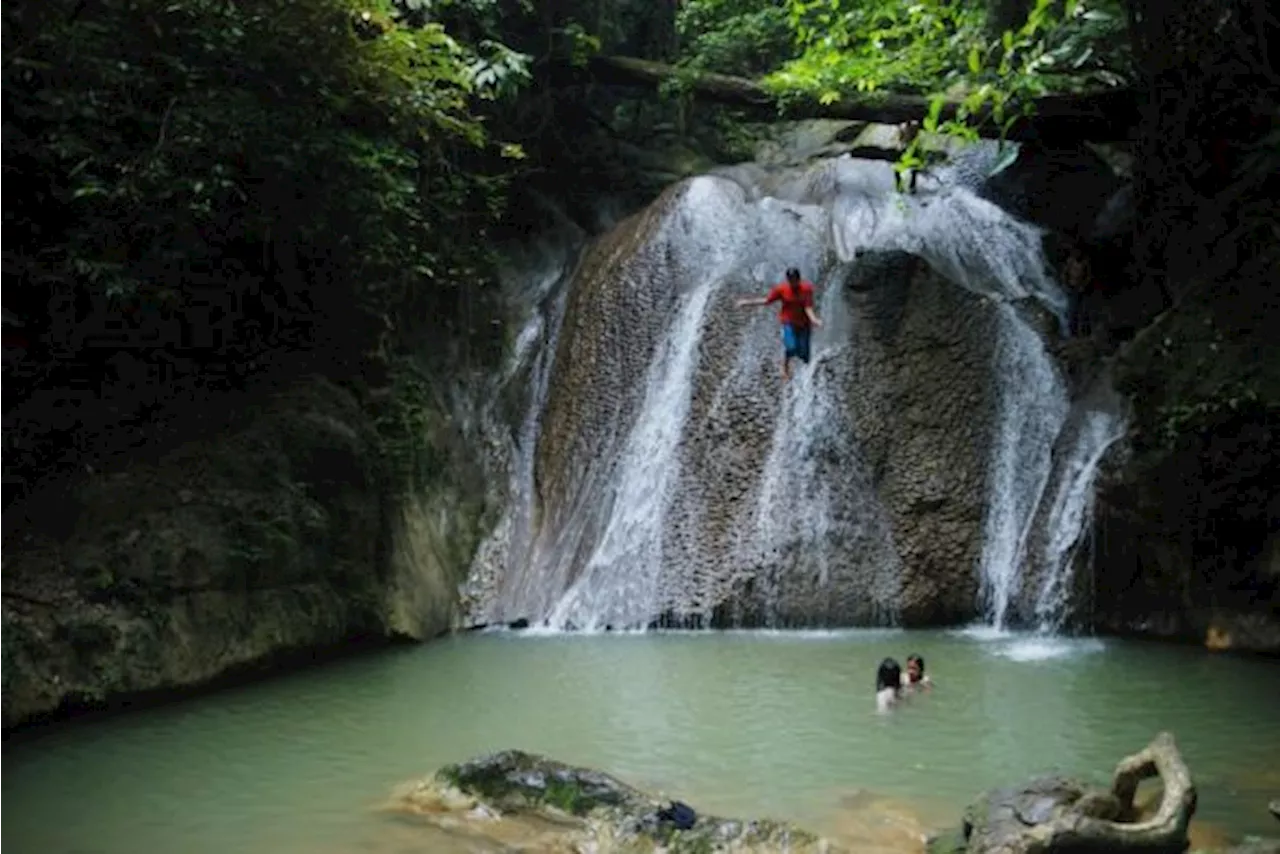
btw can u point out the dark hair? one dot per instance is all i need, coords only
(793, 274)
(889, 675)
(918, 660)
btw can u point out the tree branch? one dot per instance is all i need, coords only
(1058, 119)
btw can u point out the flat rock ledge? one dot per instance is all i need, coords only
(529, 803)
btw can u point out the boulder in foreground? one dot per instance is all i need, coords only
(527, 802)
(516, 801)
(1053, 815)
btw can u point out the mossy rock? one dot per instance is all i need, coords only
(951, 842)
(513, 780)
(610, 815)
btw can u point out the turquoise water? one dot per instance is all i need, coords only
(748, 723)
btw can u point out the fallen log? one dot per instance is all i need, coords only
(1057, 120)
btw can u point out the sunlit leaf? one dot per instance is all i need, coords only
(1008, 153)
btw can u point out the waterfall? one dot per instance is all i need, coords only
(1032, 405)
(1093, 427)
(812, 502)
(535, 286)
(928, 458)
(619, 584)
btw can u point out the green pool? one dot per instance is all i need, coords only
(751, 723)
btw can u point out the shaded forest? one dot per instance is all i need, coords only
(208, 198)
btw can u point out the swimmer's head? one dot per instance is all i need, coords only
(915, 668)
(889, 675)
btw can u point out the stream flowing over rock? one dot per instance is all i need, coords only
(928, 465)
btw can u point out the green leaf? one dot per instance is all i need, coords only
(935, 110)
(1008, 153)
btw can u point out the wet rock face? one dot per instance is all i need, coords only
(1069, 190)
(922, 401)
(903, 493)
(1190, 513)
(678, 476)
(493, 798)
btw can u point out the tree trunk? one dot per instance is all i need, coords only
(1057, 120)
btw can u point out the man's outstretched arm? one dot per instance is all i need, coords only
(813, 318)
(746, 301)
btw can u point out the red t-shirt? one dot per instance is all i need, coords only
(794, 302)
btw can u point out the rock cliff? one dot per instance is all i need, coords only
(677, 479)
(278, 539)
(1188, 517)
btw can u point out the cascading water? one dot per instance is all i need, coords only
(1032, 405)
(813, 504)
(619, 585)
(1095, 424)
(539, 289)
(664, 472)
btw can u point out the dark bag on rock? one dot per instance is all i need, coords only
(679, 814)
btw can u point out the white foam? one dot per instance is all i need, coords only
(552, 631)
(1047, 648)
(984, 632)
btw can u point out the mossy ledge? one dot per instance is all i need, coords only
(606, 814)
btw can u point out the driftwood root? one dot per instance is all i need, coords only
(1165, 831)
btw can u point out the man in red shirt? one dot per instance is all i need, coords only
(796, 315)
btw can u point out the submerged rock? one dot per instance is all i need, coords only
(528, 802)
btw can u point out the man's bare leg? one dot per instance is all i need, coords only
(786, 368)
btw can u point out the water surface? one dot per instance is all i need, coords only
(751, 723)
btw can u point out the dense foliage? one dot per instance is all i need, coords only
(203, 191)
(948, 49)
(940, 45)
(200, 189)
(735, 36)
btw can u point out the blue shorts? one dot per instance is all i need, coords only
(795, 341)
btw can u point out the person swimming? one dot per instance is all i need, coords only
(888, 684)
(915, 677)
